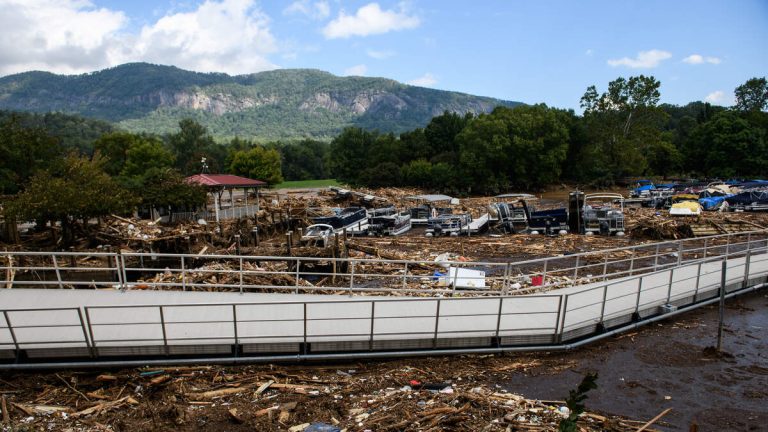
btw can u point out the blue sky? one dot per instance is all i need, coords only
(530, 51)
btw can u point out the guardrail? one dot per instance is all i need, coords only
(353, 275)
(362, 327)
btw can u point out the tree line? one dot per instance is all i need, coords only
(55, 167)
(623, 132)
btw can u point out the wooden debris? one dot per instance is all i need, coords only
(106, 378)
(235, 415)
(4, 408)
(105, 406)
(654, 420)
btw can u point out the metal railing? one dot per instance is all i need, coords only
(356, 275)
(210, 215)
(332, 325)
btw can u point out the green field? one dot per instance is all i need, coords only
(303, 184)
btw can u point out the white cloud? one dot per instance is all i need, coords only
(426, 80)
(716, 97)
(644, 59)
(66, 36)
(74, 36)
(380, 55)
(206, 40)
(699, 59)
(589, 52)
(369, 20)
(315, 10)
(357, 70)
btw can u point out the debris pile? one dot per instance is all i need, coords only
(388, 396)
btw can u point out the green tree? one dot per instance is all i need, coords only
(191, 144)
(522, 147)
(146, 155)
(75, 189)
(752, 95)
(113, 147)
(623, 123)
(167, 188)
(258, 163)
(441, 133)
(350, 154)
(23, 150)
(729, 146)
(305, 160)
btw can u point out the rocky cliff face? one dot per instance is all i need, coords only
(152, 98)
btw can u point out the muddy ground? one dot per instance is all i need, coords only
(664, 365)
(668, 365)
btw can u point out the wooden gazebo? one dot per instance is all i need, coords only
(217, 184)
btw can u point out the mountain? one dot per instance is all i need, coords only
(279, 104)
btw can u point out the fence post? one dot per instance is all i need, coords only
(437, 324)
(639, 291)
(373, 318)
(162, 325)
(85, 333)
(298, 264)
(669, 290)
(605, 299)
(698, 279)
(405, 275)
(728, 246)
(680, 253)
(505, 282)
(304, 345)
(543, 273)
(234, 326)
(656, 257)
(125, 273)
(90, 331)
(455, 279)
(13, 334)
(498, 320)
(746, 268)
(562, 318)
(576, 269)
(56, 268)
(351, 276)
(241, 273)
(605, 267)
(183, 275)
(120, 281)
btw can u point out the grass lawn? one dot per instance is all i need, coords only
(302, 184)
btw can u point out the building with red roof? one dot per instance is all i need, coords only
(217, 184)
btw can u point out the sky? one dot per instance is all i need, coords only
(533, 51)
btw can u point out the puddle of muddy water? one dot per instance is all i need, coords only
(667, 366)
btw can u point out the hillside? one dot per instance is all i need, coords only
(279, 104)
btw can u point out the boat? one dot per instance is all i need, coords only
(603, 214)
(685, 205)
(352, 219)
(388, 221)
(428, 207)
(448, 224)
(753, 200)
(520, 216)
(642, 189)
(318, 235)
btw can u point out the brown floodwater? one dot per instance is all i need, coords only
(668, 365)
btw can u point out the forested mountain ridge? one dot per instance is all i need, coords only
(279, 104)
